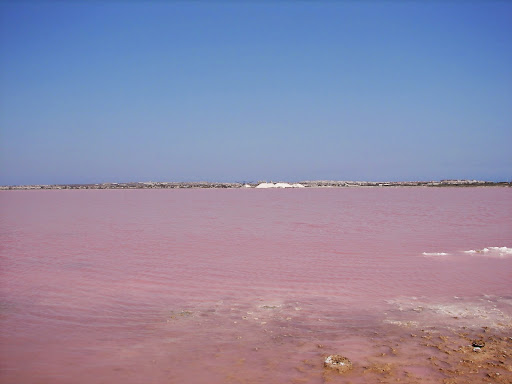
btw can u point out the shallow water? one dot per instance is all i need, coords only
(256, 286)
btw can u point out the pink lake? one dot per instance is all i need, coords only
(246, 286)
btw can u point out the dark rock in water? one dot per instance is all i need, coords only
(478, 343)
(338, 363)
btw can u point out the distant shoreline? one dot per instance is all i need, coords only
(307, 184)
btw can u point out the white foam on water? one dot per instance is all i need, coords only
(435, 254)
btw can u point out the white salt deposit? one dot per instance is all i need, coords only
(330, 360)
(487, 251)
(492, 251)
(279, 185)
(265, 185)
(401, 323)
(503, 250)
(474, 313)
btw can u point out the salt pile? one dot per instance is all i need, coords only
(279, 185)
(265, 185)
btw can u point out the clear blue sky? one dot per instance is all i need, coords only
(234, 91)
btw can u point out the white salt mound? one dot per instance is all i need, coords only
(265, 185)
(279, 185)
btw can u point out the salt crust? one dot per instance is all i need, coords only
(483, 312)
(492, 251)
(488, 251)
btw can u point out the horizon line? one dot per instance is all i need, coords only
(149, 182)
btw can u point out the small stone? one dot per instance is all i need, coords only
(478, 343)
(338, 363)
(477, 349)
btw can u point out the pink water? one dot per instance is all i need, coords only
(235, 286)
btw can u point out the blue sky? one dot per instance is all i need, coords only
(247, 91)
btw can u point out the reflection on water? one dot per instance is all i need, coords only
(219, 286)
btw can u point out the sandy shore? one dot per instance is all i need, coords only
(434, 355)
(412, 342)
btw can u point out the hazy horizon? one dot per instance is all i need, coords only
(259, 181)
(125, 92)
